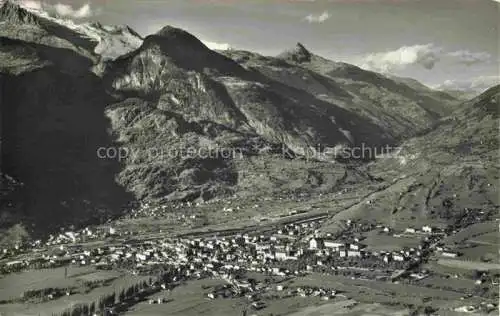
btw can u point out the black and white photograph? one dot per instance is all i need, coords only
(249, 157)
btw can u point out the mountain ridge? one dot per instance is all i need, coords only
(298, 54)
(169, 91)
(442, 177)
(92, 40)
(12, 12)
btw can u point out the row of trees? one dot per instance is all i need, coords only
(107, 303)
(38, 265)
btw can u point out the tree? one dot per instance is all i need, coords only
(85, 309)
(101, 303)
(476, 274)
(130, 292)
(429, 310)
(92, 308)
(122, 296)
(110, 300)
(77, 310)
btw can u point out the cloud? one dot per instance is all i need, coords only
(217, 46)
(425, 55)
(318, 18)
(67, 10)
(470, 58)
(31, 4)
(476, 85)
(61, 9)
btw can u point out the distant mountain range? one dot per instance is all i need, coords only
(446, 176)
(70, 90)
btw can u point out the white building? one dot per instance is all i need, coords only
(427, 229)
(449, 254)
(354, 247)
(398, 258)
(313, 244)
(280, 256)
(333, 244)
(353, 253)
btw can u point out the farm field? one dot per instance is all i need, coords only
(491, 238)
(381, 241)
(480, 252)
(475, 232)
(350, 308)
(189, 300)
(13, 286)
(370, 291)
(471, 265)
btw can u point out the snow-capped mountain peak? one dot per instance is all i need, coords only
(109, 42)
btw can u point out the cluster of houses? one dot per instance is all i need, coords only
(483, 307)
(443, 251)
(253, 290)
(323, 293)
(284, 250)
(165, 210)
(426, 230)
(355, 249)
(265, 252)
(262, 252)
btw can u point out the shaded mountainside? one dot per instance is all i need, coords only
(52, 125)
(189, 123)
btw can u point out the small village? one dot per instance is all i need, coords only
(297, 243)
(286, 251)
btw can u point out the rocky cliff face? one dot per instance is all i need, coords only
(12, 13)
(95, 116)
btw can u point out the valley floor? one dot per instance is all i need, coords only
(227, 257)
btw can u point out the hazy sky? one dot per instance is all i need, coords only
(452, 42)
